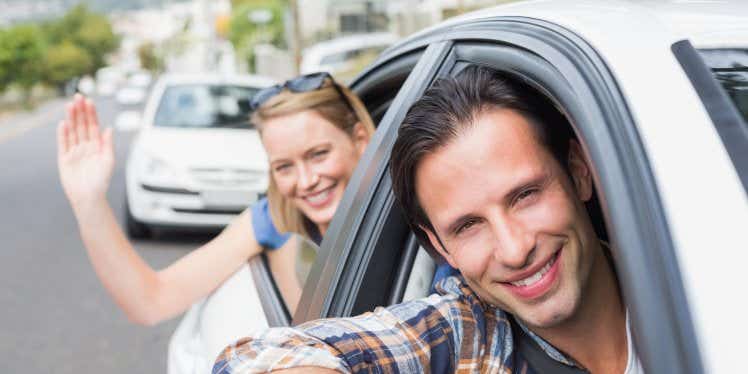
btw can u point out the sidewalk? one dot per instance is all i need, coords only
(15, 124)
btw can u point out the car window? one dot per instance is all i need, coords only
(289, 267)
(730, 68)
(202, 105)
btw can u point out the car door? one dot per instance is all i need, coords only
(368, 255)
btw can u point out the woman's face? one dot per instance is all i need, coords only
(311, 161)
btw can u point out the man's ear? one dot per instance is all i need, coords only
(579, 171)
(360, 138)
(437, 244)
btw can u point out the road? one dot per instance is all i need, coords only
(55, 316)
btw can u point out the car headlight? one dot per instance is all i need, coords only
(160, 173)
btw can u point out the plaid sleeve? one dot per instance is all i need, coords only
(400, 338)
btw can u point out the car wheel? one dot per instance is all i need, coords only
(134, 228)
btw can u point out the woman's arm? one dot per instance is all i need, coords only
(86, 161)
(282, 263)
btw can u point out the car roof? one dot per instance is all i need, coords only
(706, 23)
(208, 78)
(350, 42)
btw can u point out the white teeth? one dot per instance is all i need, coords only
(535, 277)
(318, 197)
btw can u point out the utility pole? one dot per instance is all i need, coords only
(295, 35)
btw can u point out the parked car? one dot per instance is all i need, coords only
(108, 79)
(344, 57)
(196, 161)
(130, 95)
(656, 93)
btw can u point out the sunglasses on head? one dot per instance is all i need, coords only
(303, 83)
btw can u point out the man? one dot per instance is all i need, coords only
(492, 182)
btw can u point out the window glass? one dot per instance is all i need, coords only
(730, 68)
(204, 106)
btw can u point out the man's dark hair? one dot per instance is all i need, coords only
(451, 106)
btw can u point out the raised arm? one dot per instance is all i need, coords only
(418, 336)
(85, 162)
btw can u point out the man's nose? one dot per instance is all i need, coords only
(308, 178)
(513, 245)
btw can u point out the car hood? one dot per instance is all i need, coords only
(204, 148)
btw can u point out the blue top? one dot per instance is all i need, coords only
(262, 224)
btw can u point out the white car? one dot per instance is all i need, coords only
(340, 56)
(130, 95)
(657, 93)
(196, 162)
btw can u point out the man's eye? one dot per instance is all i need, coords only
(466, 225)
(525, 194)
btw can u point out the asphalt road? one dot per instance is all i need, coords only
(54, 314)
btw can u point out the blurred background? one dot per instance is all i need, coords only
(55, 316)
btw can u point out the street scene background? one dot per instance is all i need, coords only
(56, 316)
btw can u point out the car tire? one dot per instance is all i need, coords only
(134, 228)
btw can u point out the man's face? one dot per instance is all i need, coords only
(511, 219)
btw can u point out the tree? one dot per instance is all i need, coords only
(95, 35)
(149, 58)
(21, 52)
(245, 34)
(89, 31)
(65, 61)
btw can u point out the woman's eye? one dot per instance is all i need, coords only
(319, 154)
(282, 168)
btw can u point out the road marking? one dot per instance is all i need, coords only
(16, 124)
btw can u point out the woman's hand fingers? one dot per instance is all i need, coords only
(63, 140)
(79, 118)
(72, 134)
(92, 122)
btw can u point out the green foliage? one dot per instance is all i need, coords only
(65, 61)
(149, 58)
(244, 34)
(77, 44)
(21, 52)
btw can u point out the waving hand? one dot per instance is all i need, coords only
(85, 155)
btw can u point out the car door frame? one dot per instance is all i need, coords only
(664, 333)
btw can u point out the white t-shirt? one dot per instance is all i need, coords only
(633, 365)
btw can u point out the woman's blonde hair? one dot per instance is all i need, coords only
(343, 111)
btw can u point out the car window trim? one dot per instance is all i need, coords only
(732, 130)
(319, 291)
(270, 297)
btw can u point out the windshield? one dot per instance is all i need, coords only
(203, 105)
(730, 68)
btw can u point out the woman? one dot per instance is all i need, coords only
(314, 131)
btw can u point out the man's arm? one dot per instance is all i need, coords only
(401, 338)
(306, 370)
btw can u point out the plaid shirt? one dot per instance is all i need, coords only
(452, 331)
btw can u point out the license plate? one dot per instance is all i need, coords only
(228, 198)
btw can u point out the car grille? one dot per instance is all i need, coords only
(226, 177)
(209, 211)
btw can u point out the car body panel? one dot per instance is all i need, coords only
(231, 312)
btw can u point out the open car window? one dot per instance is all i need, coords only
(287, 270)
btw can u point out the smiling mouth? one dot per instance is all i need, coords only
(319, 198)
(532, 279)
(538, 283)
